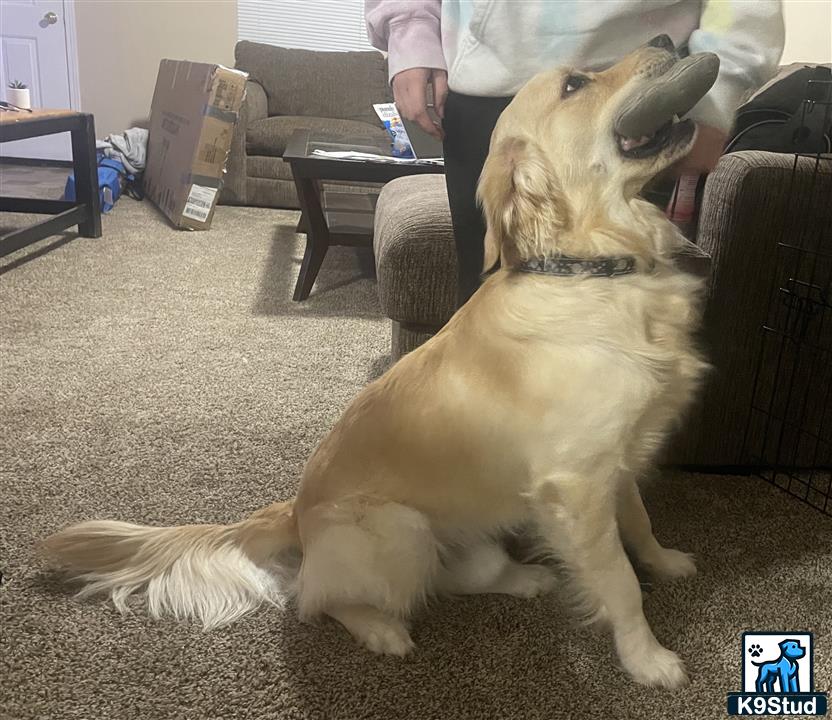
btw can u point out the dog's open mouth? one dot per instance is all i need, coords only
(673, 132)
(648, 120)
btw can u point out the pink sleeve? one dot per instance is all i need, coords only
(408, 30)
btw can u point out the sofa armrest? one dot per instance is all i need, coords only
(256, 102)
(749, 206)
(254, 107)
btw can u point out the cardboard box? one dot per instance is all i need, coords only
(192, 118)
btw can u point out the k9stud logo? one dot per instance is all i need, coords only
(777, 676)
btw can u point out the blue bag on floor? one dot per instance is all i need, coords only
(111, 180)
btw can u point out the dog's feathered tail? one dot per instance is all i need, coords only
(216, 573)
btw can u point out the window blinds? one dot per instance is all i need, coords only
(307, 24)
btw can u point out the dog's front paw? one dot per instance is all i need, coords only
(657, 667)
(669, 564)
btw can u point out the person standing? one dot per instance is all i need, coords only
(476, 54)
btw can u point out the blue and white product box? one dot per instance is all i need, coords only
(389, 116)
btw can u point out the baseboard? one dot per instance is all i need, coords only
(34, 162)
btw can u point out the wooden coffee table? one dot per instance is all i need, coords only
(85, 211)
(330, 217)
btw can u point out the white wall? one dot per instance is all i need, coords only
(120, 44)
(808, 31)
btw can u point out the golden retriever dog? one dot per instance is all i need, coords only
(541, 403)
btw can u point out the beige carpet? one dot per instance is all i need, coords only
(166, 377)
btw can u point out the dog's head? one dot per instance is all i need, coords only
(792, 649)
(572, 150)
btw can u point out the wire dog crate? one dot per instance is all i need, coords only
(788, 438)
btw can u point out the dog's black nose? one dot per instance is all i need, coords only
(662, 41)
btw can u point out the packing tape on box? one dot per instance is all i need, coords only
(229, 116)
(204, 180)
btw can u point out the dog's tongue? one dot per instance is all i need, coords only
(627, 143)
(673, 93)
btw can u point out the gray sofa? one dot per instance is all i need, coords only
(288, 89)
(745, 213)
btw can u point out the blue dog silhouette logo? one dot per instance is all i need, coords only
(777, 676)
(782, 670)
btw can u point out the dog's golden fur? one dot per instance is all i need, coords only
(541, 402)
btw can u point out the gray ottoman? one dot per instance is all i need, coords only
(415, 259)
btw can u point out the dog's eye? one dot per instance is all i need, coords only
(573, 83)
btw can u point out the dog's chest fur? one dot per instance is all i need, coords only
(596, 365)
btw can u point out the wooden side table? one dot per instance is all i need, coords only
(336, 218)
(85, 212)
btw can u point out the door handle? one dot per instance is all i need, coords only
(50, 18)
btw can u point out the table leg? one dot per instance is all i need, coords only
(85, 168)
(317, 236)
(301, 226)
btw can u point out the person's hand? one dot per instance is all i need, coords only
(705, 153)
(410, 93)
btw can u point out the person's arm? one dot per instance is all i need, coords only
(748, 37)
(409, 30)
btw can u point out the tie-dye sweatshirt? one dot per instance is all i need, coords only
(492, 47)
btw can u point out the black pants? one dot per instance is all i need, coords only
(468, 124)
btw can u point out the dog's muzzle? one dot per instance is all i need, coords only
(647, 115)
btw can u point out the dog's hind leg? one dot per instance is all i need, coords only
(577, 514)
(485, 567)
(637, 535)
(760, 683)
(367, 565)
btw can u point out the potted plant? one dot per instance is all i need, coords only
(18, 94)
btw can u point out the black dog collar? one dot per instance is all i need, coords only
(565, 266)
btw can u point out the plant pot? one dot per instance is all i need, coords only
(19, 97)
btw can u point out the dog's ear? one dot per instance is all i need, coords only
(523, 202)
(491, 250)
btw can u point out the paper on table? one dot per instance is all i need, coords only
(370, 157)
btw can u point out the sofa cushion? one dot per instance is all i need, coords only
(322, 84)
(265, 192)
(415, 251)
(273, 168)
(271, 135)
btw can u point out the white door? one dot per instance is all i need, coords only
(33, 50)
